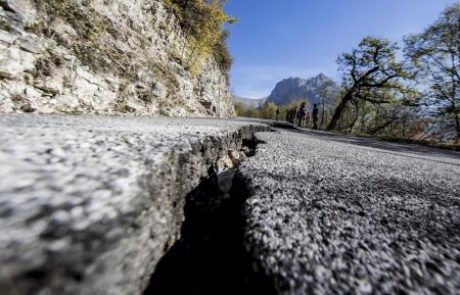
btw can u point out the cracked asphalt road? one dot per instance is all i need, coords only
(340, 215)
(88, 205)
(327, 214)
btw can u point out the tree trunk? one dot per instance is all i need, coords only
(404, 124)
(356, 118)
(378, 128)
(363, 119)
(457, 125)
(322, 116)
(454, 101)
(339, 110)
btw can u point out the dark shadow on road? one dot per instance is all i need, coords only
(210, 257)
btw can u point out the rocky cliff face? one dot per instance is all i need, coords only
(103, 57)
(292, 89)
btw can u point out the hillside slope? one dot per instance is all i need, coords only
(104, 57)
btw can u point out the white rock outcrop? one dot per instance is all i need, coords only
(103, 57)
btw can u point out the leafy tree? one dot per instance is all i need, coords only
(385, 120)
(372, 73)
(268, 111)
(242, 111)
(239, 109)
(436, 54)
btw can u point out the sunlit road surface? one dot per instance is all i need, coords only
(90, 204)
(335, 214)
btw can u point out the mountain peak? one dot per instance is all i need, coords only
(321, 76)
(294, 88)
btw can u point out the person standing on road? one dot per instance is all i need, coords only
(301, 113)
(291, 114)
(315, 116)
(278, 114)
(307, 119)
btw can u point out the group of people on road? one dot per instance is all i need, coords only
(301, 115)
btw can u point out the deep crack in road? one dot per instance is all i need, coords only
(211, 257)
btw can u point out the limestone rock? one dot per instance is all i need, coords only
(235, 157)
(224, 163)
(98, 70)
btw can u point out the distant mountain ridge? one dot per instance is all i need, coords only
(250, 103)
(291, 89)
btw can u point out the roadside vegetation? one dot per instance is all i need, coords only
(407, 92)
(203, 22)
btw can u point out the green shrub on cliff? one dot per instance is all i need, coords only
(203, 22)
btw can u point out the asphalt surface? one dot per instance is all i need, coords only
(341, 215)
(89, 205)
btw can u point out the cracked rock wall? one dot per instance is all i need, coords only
(103, 57)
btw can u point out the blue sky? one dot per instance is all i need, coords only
(276, 39)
